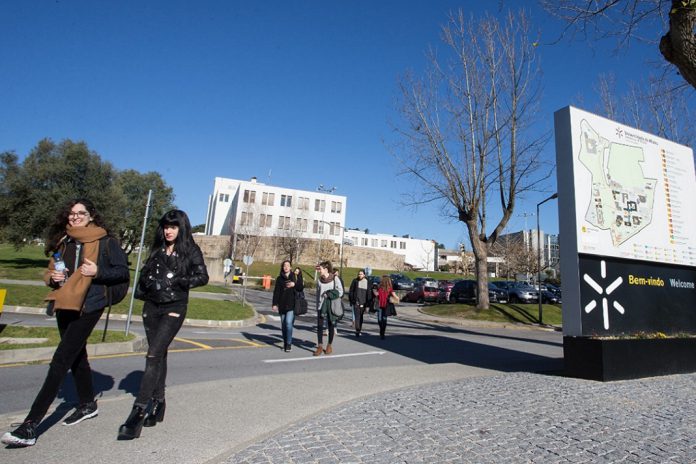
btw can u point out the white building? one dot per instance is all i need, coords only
(250, 207)
(419, 254)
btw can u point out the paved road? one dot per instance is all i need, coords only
(430, 392)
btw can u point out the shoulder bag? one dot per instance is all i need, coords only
(337, 305)
(300, 304)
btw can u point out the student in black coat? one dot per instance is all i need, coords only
(287, 284)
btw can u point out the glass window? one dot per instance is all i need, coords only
(268, 199)
(249, 196)
(286, 200)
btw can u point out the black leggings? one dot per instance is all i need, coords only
(161, 326)
(320, 329)
(74, 328)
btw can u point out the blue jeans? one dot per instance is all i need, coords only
(286, 322)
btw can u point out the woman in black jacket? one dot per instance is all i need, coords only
(93, 262)
(360, 297)
(174, 266)
(287, 284)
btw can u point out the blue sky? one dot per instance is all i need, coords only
(303, 91)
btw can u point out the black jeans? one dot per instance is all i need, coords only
(74, 328)
(320, 329)
(162, 323)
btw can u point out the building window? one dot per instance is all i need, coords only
(363, 242)
(375, 242)
(319, 205)
(392, 244)
(283, 222)
(286, 200)
(268, 199)
(265, 220)
(383, 244)
(224, 197)
(247, 218)
(303, 203)
(402, 245)
(249, 196)
(335, 206)
(303, 227)
(318, 227)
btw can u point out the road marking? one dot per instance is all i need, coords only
(200, 345)
(216, 333)
(314, 358)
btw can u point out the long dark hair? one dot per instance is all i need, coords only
(183, 244)
(291, 275)
(56, 231)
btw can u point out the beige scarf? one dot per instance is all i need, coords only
(72, 294)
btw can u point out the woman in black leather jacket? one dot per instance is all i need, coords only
(174, 266)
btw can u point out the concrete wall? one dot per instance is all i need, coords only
(215, 249)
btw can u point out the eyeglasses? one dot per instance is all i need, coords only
(78, 214)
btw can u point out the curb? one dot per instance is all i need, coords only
(482, 324)
(46, 354)
(122, 317)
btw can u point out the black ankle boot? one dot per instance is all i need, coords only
(133, 425)
(156, 414)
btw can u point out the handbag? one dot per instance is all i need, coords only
(300, 304)
(337, 304)
(391, 309)
(394, 298)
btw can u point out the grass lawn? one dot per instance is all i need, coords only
(199, 308)
(52, 336)
(522, 313)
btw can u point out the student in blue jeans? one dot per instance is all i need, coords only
(286, 285)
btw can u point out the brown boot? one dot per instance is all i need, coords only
(318, 351)
(328, 349)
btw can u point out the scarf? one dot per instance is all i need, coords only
(72, 294)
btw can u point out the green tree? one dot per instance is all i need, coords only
(133, 187)
(54, 173)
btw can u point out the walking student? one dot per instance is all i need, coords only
(175, 266)
(93, 260)
(329, 287)
(384, 291)
(360, 296)
(286, 285)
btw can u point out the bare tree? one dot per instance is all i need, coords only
(624, 20)
(466, 126)
(653, 105)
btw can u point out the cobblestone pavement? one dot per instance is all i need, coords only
(520, 417)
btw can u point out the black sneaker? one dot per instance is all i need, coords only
(24, 435)
(82, 412)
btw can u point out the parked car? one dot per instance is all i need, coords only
(401, 282)
(373, 280)
(548, 296)
(523, 293)
(425, 281)
(466, 291)
(497, 294)
(423, 293)
(445, 287)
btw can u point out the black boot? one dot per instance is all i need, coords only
(382, 329)
(133, 425)
(156, 414)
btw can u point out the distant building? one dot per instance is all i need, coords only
(418, 253)
(550, 256)
(250, 207)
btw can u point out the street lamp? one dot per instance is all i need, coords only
(552, 197)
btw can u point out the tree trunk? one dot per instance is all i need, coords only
(678, 46)
(480, 250)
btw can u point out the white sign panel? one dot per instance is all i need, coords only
(634, 192)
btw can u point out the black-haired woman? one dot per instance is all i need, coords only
(175, 265)
(286, 285)
(93, 260)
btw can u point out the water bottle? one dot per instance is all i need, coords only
(59, 266)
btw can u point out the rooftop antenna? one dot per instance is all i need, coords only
(269, 176)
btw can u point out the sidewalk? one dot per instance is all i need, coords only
(411, 414)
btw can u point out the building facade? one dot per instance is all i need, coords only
(418, 253)
(253, 208)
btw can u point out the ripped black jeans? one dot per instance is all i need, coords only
(162, 323)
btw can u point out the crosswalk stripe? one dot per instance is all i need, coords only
(331, 356)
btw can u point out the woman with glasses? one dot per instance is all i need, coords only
(175, 266)
(93, 261)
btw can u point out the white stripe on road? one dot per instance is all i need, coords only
(328, 356)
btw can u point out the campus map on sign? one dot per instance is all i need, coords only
(622, 196)
(634, 192)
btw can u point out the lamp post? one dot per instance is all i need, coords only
(552, 197)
